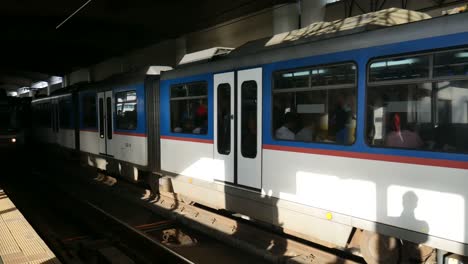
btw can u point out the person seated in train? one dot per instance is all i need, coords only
(201, 125)
(131, 119)
(401, 137)
(341, 119)
(187, 126)
(307, 133)
(286, 131)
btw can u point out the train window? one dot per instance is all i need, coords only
(323, 111)
(126, 110)
(89, 111)
(189, 108)
(101, 118)
(191, 89)
(452, 63)
(42, 115)
(65, 114)
(109, 120)
(426, 115)
(416, 67)
(249, 119)
(294, 79)
(224, 119)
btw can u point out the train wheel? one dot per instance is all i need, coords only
(379, 249)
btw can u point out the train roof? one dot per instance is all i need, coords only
(387, 26)
(132, 77)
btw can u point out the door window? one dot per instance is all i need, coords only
(249, 119)
(224, 119)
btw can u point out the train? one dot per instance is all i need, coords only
(14, 121)
(332, 137)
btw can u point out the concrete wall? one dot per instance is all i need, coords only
(233, 33)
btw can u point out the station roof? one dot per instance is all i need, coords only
(30, 43)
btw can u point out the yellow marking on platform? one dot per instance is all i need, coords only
(19, 243)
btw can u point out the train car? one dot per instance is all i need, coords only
(54, 120)
(14, 121)
(325, 135)
(117, 123)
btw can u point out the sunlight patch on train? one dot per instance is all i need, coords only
(383, 18)
(201, 169)
(426, 211)
(334, 193)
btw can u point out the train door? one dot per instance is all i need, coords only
(249, 127)
(105, 122)
(224, 126)
(238, 123)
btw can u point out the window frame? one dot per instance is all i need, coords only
(83, 112)
(189, 98)
(116, 126)
(430, 79)
(62, 105)
(334, 86)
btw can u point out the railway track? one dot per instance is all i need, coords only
(106, 213)
(244, 236)
(82, 225)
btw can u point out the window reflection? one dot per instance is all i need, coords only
(126, 110)
(324, 110)
(189, 108)
(426, 115)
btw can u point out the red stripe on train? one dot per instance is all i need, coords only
(198, 140)
(379, 157)
(89, 130)
(129, 134)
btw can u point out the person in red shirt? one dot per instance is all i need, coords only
(402, 138)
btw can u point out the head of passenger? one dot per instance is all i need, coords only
(287, 131)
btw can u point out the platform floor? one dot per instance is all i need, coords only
(19, 243)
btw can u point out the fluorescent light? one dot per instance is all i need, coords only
(463, 54)
(320, 71)
(302, 73)
(393, 63)
(401, 62)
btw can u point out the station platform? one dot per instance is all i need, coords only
(19, 242)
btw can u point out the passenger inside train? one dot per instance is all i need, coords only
(402, 137)
(287, 130)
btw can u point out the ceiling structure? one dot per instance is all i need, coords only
(31, 48)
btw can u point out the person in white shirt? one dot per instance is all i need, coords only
(286, 132)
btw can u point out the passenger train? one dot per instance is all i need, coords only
(324, 136)
(14, 121)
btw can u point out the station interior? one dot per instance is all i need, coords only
(248, 131)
